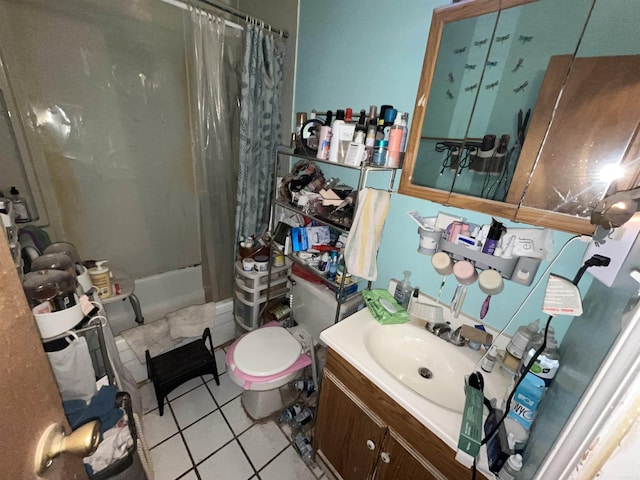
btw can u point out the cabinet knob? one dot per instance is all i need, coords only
(386, 458)
(371, 445)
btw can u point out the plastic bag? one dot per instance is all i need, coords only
(73, 370)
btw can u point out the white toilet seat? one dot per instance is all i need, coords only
(266, 351)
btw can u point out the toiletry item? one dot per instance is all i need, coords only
(405, 131)
(532, 242)
(261, 263)
(324, 261)
(332, 266)
(247, 264)
(413, 300)
(324, 141)
(370, 141)
(54, 261)
(403, 289)
(395, 142)
(56, 288)
(101, 279)
(355, 155)
(466, 274)
(493, 237)
(526, 399)
(429, 238)
(380, 153)
(348, 115)
(301, 119)
(19, 206)
(511, 468)
(491, 283)
(490, 359)
(517, 435)
(522, 337)
(444, 266)
(336, 126)
(344, 137)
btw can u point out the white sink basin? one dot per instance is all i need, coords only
(404, 350)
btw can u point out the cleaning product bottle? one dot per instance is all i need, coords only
(519, 341)
(403, 291)
(511, 468)
(19, 206)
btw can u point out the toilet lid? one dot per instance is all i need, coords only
(266, 351)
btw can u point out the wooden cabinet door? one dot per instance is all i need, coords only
(398, 459)
(347, 433)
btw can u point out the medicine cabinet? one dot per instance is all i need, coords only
(514, 74)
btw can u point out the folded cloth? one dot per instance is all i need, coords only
(382, 315)
(115, 445)
(102, 407)
(152, 336)
(361, 250)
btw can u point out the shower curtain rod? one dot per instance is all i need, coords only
(232, 11)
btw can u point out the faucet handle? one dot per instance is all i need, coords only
(456, 337)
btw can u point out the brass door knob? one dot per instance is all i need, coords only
(82, 442)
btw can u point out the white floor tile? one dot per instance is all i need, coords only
(149, 401)
(158, 428)
(170, 459)
(262, 442)
(185, 387)
(227, 390)
(192, 406)
(206, 436)
(287, 466)
(236, 416)
(229, 463)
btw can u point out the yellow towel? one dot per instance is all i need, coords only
(361, 250)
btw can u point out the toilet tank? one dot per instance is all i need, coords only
(314, 306)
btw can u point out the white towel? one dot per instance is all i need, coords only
(361, 250)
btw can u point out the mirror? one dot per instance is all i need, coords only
(484, 65)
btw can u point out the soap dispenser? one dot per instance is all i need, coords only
(403, 291)
(101, 279)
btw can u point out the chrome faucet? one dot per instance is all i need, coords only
(443, 331)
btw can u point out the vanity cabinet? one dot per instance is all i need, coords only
(361, 433)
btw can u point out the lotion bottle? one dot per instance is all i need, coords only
(395, 143)
(336, 127)
(101, 279)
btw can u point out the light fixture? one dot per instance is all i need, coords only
(615, 210)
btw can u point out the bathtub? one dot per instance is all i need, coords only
(162, 294)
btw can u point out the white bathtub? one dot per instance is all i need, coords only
(162, 294)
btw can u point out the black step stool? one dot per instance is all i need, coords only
(171, 369)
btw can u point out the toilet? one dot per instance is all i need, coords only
(271, 356)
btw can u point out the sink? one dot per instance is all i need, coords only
(430, 366)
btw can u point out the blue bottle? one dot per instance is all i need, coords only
(332, 267)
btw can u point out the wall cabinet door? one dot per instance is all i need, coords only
(397, 460)
(579, 161)
(347, 433)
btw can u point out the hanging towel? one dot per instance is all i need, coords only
(364, 239)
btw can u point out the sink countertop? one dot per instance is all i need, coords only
(347, 338)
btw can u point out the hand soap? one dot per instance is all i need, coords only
(403, 291)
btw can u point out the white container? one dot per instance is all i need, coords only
(101, 279)
(55, 323)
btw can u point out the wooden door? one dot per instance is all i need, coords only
(347, 434)
(398, 459)
(29, 398)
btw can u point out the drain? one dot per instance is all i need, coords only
(425, 372)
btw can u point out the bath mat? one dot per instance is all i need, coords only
(152, 336)
(191, 321)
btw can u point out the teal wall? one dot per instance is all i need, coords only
(354, 54)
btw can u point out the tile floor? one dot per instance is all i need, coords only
(205, 434)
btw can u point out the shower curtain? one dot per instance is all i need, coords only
(214, 85)
(260, 122)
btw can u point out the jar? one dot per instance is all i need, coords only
(55, 287)
(54, 261)
(380, 150)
